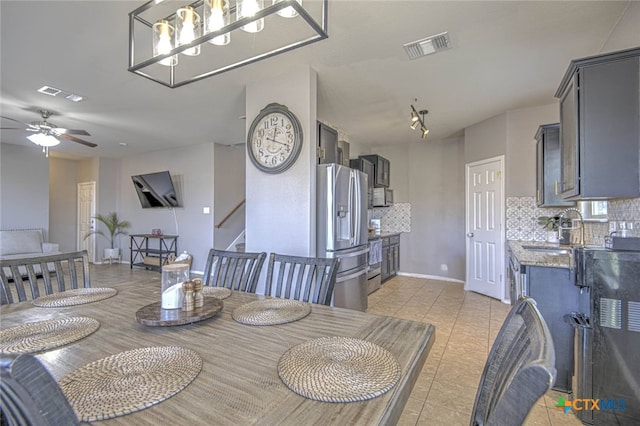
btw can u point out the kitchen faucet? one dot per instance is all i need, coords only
(560, 228)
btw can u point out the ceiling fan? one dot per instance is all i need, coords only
(46, 133)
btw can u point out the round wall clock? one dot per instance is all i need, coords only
(275, 139)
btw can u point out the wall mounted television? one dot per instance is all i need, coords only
(155, 190)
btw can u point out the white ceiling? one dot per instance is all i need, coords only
(505, 55)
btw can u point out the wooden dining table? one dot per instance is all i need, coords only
(239, 382)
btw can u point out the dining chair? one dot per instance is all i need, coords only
(43, 273)
(30, 395)
(308, 279)
(234, 270)
(519, 370)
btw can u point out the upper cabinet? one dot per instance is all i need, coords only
(365, 166)
(600, 127)
(548, 167)
(381, 170)
(327, 148)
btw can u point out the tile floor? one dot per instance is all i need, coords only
(466, 325)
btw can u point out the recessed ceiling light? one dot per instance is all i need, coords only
(123, 144)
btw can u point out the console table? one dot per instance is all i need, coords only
(152, 251)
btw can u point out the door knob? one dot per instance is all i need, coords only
(469, 234)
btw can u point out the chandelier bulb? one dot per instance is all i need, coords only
(187, 29)
(247, 9)
(162, 42)
(216, 16)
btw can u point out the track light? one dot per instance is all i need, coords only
(417, 121)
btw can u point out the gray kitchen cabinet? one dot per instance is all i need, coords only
(548, 167)
(600, 127)
(366, 167)
(555, 294)
(327, 144)
(390, 256)
(381, 170)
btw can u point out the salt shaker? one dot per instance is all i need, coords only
(198, 298)
(187, 301)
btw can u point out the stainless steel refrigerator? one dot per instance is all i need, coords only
(342, 231)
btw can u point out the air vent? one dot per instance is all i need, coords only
(427, 46)
(610, 313)
(52, 91)
(634, 316)
(48, 90)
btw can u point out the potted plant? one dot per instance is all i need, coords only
(552, 224)
(116, 227)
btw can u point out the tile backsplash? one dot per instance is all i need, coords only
(395, 218)
(522, 220)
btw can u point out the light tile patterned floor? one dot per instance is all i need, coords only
(466, 325)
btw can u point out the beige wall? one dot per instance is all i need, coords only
(520, 167)
(229, 187)
(63, 200)
(486, 139)
(280, 209)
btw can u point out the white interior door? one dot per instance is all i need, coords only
(485, 227)
(86, 223)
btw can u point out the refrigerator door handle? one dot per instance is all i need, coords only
(358, 210)
(353, 253)
(356, 274)
(351, 209)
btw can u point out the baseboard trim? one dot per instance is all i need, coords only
(431, 277)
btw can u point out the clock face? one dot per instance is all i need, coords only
(274, 139)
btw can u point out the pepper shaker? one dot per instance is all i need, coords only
(187, 301)
(198, 298)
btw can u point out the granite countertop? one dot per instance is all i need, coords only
(536, 258)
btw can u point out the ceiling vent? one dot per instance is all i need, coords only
(52, 91)
(426, 46)
(48, 90)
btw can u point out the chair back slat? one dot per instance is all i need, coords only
(238, 271)
(306, 279)
(40, 272)
(30, 395)
(520, 368)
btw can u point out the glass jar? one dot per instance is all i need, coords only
(173, 275)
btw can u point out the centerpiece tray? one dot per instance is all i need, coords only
(154, 315)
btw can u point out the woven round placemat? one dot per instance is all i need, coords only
(129, 381)
(77, 296)
(338, 369)
(271, 312)
(217, 292)
(40, 336)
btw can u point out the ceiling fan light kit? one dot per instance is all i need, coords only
(176, 44)
(46, 134)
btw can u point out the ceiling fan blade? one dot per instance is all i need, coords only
(74, 139)
(7, 118)
(71, 132)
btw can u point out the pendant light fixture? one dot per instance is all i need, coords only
(198, 28)
(188, 28)
(287, 12)
(163, 42)
(248, 9)
(217, 16)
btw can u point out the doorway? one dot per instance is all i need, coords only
(86, 222)
(485, 214)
